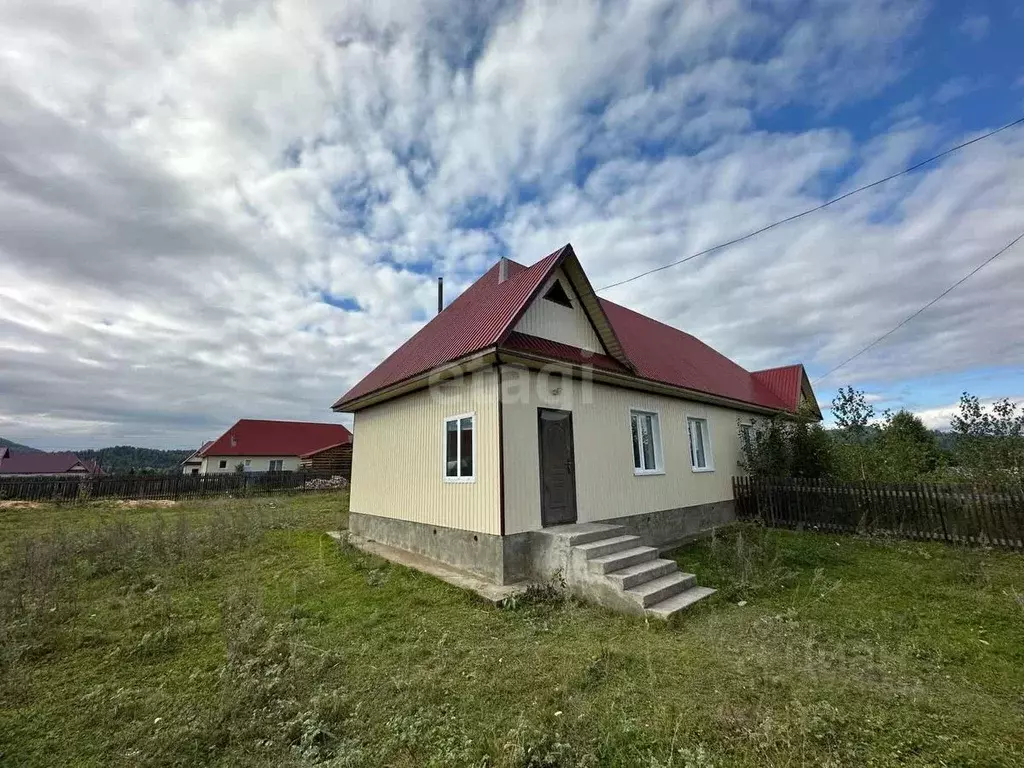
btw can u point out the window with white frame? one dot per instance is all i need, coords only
(646, 431)
(701, 459)
(459, 449)
(277, 465)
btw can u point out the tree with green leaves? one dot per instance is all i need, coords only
(853, 413)
(990, 442)
(905, 449)
(781, 447)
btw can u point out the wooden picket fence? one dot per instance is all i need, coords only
(64, 488)
(961, 514)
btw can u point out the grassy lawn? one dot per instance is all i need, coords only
(236, 633)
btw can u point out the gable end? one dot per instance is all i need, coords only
(557, 294)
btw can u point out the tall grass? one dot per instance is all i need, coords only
(746, 560)
(44, 574)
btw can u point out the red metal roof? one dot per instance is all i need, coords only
(476, 320)
(44, 464)
(785, 382)
(258, 437)
(524, 342)
(486, 312)
(662, 353)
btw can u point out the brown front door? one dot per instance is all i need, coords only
(557, 467)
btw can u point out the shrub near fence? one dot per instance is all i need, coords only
(927, 511)
(73, 489)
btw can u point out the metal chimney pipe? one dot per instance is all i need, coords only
(440, 294)
(503, 270)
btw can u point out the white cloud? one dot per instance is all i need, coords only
(181, 184)
(941, 416)
(953, 89)
(975, 26)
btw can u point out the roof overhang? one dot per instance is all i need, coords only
(808, 392)
(309, 454)
(477, 361)
(538, 362)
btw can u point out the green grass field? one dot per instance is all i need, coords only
(236, 633)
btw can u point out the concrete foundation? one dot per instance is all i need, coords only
(671, 528)
(535, 555)
(500, 560)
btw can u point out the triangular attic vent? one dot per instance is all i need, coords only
(557, 294)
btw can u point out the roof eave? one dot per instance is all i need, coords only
(467, 364)
(805, 384)
(314, 452)
(629, 381)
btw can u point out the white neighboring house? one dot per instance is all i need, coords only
(194, 463)
(261, 445)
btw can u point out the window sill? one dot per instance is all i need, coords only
(702, 469)
(647, 472)
(460, 480)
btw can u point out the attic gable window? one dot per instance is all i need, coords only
(557, 294)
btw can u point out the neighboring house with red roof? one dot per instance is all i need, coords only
(530, 403)
(259, 445)
(64, 463)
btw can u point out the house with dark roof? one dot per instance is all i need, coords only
(193, 464)
(532, 426)
(261, 445)
(39, 463)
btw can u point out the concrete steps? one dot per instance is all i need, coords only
(607, 546)
(629, 575)
(657, 590)
(622, 559)
(632, 575)
(677, 603)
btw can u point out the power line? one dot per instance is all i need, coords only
(816, 208)
(945, 293)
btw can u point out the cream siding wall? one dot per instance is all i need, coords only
(549, 320)
(398, 461)
(211, 464)
(605, 484)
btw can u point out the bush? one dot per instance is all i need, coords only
(989, 445)
(783, 448)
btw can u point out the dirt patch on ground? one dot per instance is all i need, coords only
(146, 503)
(20, 505)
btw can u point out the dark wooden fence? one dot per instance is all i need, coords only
(177, 486)
(926, 511)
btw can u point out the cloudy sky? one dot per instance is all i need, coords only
(213, 210)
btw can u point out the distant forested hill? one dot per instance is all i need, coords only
(128, 458)
(17, 447)
(120, 458)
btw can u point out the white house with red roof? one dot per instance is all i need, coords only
(532, 426)
(260, 445)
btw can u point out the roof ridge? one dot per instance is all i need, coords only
(292, 421)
